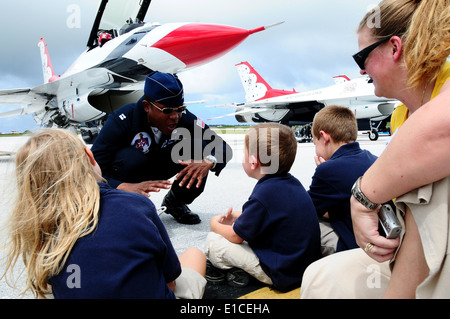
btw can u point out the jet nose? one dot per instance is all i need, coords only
(196, 43)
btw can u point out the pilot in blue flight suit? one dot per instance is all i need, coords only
(144, 144)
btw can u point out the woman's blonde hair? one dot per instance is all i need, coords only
(58, 202)
(424, 26)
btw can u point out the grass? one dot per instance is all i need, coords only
(230, 129)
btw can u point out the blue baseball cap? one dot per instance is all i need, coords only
(164, 88)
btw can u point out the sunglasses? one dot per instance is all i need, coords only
(169, 110)
(361, 56)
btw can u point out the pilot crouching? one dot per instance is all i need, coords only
(144, 144)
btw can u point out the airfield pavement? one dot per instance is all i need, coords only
(231, 189)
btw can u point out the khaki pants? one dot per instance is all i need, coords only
(350, 274)
(430, 206)
(328, 238)
(189, 285)
(223, 254)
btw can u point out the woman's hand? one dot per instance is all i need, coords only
(365, 227)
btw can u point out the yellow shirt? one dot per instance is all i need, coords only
(400, 114)
(398, 117)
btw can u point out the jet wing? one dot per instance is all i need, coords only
(245, 111)
(275, 109)
(87, 81)
(21, 111)
(35, 99)
(113, 14)
(257, 105)
(30, 101)
(15, 97)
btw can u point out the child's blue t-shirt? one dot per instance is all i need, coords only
(128, 255)
(331, 186)
(280, 224)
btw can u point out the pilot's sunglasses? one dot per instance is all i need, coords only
(169, 110)
(361, 56)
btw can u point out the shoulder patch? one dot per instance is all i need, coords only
(142, 142)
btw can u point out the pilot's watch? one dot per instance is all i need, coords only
(360, 197)
(212, 159)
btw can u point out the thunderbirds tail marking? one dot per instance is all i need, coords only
(47, 67)
(256, 88)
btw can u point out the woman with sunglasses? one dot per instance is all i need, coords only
(407, 59)
(139, 147)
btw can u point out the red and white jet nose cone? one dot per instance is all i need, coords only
(196, 43)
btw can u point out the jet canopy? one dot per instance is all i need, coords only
(117, 17)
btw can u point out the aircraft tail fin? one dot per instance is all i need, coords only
(254, 85)
(340, 79)
(47, 67)
(256, 88)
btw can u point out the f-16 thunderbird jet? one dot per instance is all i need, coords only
(265, 104)
(121, 52)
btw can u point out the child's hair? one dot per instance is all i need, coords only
(424, 26)
(274, 145)
(57, 203)
(338, 121)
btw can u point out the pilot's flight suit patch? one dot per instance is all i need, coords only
(142, 142)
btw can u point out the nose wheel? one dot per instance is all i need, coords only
(373, 135)
(373, 131)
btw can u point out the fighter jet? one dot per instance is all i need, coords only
(265, 104)
(121, 51)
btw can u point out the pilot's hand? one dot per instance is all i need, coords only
(146, 187)
(194, 171)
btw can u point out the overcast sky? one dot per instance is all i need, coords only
(314, 44)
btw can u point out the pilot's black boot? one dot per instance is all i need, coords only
(179, 210)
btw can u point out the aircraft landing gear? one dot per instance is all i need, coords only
(90, 130)
(373, 135)
(303, 133)
(373, 131)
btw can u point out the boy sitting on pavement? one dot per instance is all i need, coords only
(277, 234)
(340, 161)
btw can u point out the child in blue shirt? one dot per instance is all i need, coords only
(80, 238)
(276, 236)
(340, 162)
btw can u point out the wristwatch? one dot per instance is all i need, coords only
(212, 159)
(360, 197)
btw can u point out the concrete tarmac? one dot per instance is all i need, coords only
(230, 189)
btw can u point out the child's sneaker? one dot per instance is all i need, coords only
(214, 276)
(237, 277)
